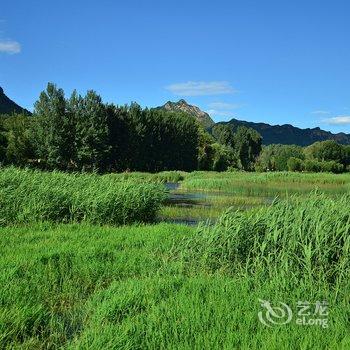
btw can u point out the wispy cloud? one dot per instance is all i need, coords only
(320, 112)
(223, 106)
(339, 120)
(219, 113)
(10, 46)
(201, 88)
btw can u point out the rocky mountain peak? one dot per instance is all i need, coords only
(194, 111)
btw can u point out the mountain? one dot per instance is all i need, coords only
(288, 134)
(7, 106)
(194, 111)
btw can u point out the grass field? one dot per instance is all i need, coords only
(79, 285)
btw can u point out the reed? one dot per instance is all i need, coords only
(29, 196)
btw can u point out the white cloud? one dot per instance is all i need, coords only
(223, 106)
(201, 88)
(321, 112)
(219, 113)
(10, 46)
(339, 120)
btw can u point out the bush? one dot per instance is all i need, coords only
(312, 166)
(326, 167)
(295, 164)
(30, 196)
(332, 167)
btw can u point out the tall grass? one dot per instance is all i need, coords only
(161, 177)
(266, 184)
(85, 287)
(29, 196)
(300, 238)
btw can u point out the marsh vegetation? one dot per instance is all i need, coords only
(82, 267)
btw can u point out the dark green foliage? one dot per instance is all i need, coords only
(83, 133)
(216, 155)
(275, 157)
(53, 129)
(326, 151)
(331, 166)
(223, 134)
(3, 140)
(91, 131)
(295, 164)
(247, 146)
(224, 157)
(20, 142)
(162, 140)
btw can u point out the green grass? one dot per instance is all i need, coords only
(174, 287)
(266, 184)
(161, 177)
(167, 286)
(31, 196)
(306, 236)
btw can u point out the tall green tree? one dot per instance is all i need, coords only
(20, 141)
(247, 147)
(91, 132)
(223, 134)
(54, 129)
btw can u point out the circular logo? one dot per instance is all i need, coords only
(274, 315)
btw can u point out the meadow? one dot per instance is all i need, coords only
(130, 283)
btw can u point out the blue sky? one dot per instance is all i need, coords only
(271, 61)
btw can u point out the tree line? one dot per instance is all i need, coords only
(322, 156)
(81, 133)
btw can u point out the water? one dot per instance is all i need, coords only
(205, 205)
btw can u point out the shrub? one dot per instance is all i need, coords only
(332, 167)
(312, 166)
(295, 164)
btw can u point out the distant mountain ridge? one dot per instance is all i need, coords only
(284, 134)
(288, 134)
(7, 106)
(202, 117)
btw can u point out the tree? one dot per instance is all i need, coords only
(20, 146)
(247, 146)
(3, 139)
(223, 134)
(205, 150)
(54, 137)
(295, 164)
(275, 157)
(325, 151)
(223, 157)
(91, 132)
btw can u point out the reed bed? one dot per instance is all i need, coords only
(266, 184)
(28, 196)
(300, 238)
